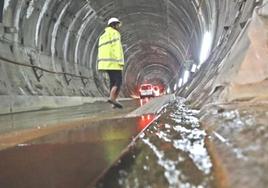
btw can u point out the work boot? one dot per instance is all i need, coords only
(116, 104)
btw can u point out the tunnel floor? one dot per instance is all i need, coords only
(65, 147)
(20, 127)
(170, 153)
(218, 146)
(68, 158)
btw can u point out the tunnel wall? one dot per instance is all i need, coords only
(44, 54)
(224, 65)
(45, 59)
(48, 48)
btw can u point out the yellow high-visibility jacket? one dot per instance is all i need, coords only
(110, 51)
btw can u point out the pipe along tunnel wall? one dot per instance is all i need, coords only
(48, 47)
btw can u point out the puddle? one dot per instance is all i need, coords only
(69, 158)
(170, 153)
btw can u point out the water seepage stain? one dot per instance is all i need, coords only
(170, 153)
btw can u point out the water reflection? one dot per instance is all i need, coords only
(143, 101)
(144, 121)
(170, 153)
(69, 158)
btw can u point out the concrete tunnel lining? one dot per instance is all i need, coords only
(62, 36)
(227, 93)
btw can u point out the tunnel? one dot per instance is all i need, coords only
(50, 47)
(208, 56)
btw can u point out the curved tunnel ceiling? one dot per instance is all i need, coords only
(54, 46)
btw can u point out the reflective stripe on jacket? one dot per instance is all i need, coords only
(110, 51)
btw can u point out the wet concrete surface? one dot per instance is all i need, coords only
(221, 146)
(20, 127)
(50, 117)
(68, 147)
(218, 146)
(170, 153)
(69, 158)
(239, 147)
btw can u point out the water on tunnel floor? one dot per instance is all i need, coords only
(49, 117)
(170, 153)
(69, 158)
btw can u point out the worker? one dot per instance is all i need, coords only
(111, 58)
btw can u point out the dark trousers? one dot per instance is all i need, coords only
(115, 78)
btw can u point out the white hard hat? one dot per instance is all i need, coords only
(111, 20)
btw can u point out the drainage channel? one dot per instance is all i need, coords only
(170, 153)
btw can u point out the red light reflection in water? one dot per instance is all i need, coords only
(145, 120)
(144, 101)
